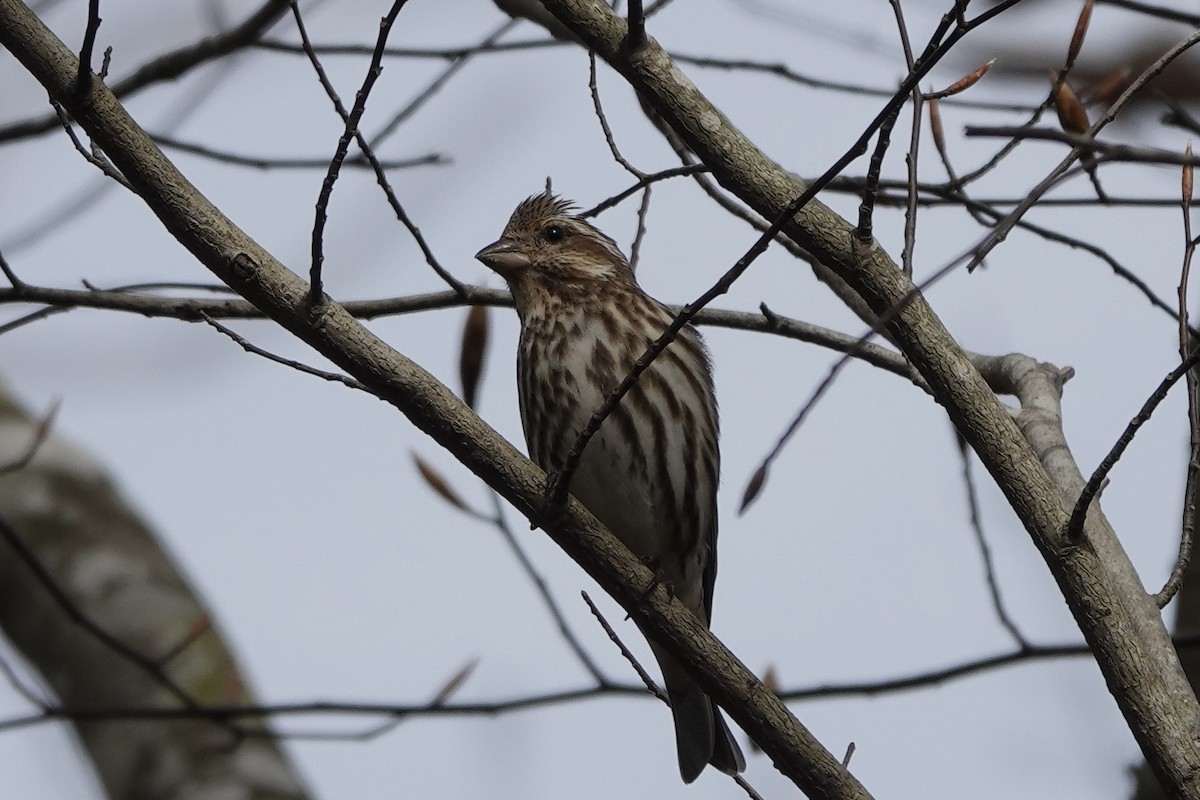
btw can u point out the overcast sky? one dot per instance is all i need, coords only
(294, 506)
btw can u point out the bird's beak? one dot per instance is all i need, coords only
(504, 256)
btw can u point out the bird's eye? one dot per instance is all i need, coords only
(554, 234)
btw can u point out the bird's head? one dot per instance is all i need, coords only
(545, 243)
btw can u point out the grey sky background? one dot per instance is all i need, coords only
(294, 506)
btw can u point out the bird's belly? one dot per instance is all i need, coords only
(613, 485)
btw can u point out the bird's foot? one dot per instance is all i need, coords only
(660, 579)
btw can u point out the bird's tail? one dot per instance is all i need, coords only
(701, 735)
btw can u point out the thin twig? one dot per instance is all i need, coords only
(333, 377)
(440, 698)
(93, 156)
(1188, 526)
(1092, 488)
(944, 194)
(635, 249)
(637, 667)
(20, 322)
(85, 51)
(1169, 14)
(608, 134)
(783, 71)
(910, 213)
(316, 296)
(435, 85)
(440, 53)
(276, 162)
(985, 552)
(202, 626)
(369, 153)
(16, 282)
(643, 182)
(866, 207)
(1111, 151)
(872, 688)
(543, 589)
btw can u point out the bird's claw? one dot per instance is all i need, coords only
(553, 497)
(660, 579)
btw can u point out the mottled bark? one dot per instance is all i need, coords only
(87, 567)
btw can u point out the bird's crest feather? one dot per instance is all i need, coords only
(539, 207)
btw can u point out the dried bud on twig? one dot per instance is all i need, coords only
(753, 488)
(965, 82)
(1071, 114)
(438, 483)
(1111, 87)
(1081, 26)
(474, 346)
(935, 126)
(1187, 178)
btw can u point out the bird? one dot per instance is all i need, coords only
(650, 472)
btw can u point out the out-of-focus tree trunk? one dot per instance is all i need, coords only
(110, 569)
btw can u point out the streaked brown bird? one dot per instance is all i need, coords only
(650, 472)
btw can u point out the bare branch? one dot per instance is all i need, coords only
(1188, 526)
(985, 552)
(277, 162)
(1079, 514)
(316, 297)
(89, 42)
(333, 377)
(369, 153)
(172, 65)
